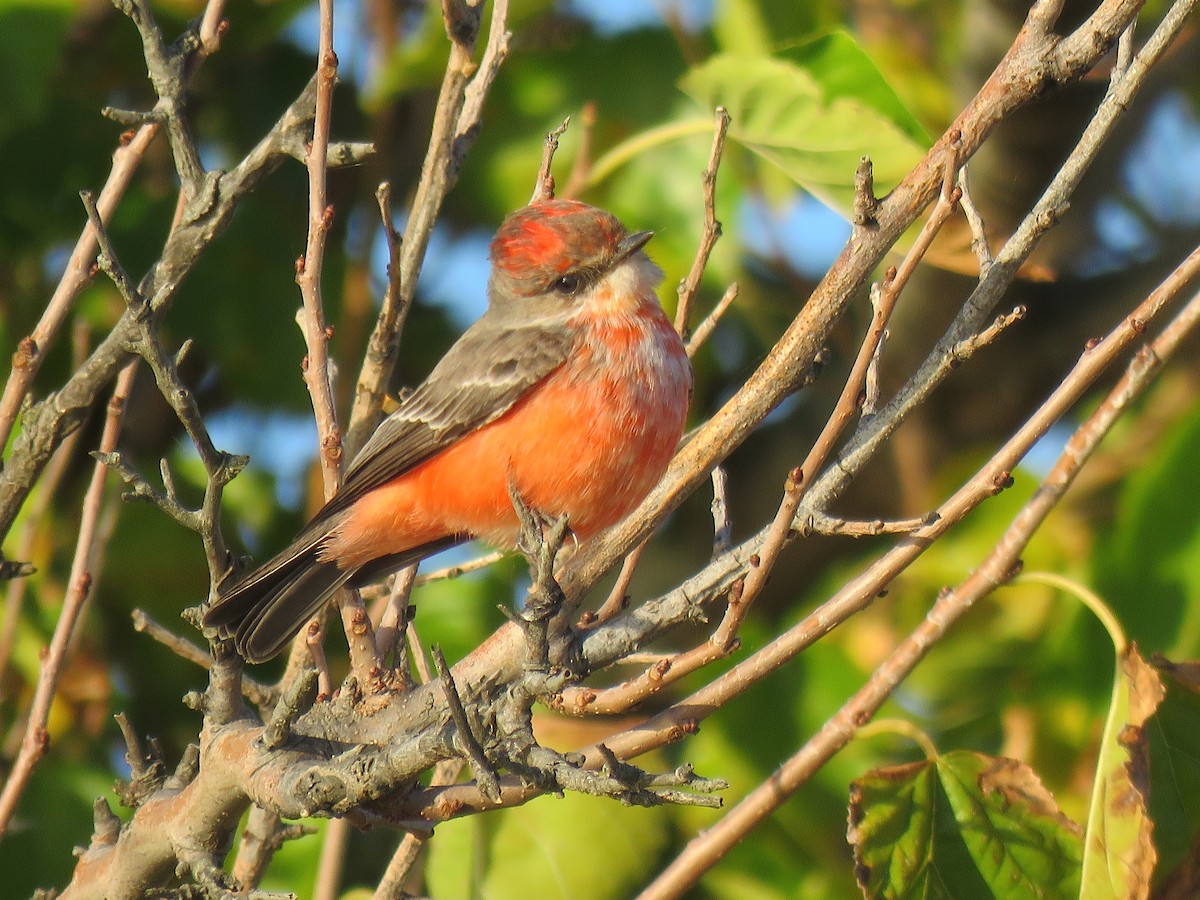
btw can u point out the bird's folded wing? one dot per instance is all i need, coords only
(480, 379)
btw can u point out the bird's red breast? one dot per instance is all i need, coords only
(590, 441)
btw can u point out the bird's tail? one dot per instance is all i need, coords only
(263, 610)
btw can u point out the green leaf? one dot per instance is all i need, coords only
(1119, 858)
(814, 111)
(964, 825)
(1146, 564)
(1173, 734)
(758, 26)
(505, 854)
(843, 69)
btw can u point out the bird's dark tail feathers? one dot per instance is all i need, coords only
(263, 610)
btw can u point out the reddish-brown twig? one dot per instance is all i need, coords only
(79, 587)
(364, 657)
(32, 349)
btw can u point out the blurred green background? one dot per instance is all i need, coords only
(1028, 674)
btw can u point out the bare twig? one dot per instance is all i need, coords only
(31, 350)
(258, 693)
(332, 860)
(826, 524)
(309, 267)
(451, 572)
(860, 591)
(706, 327)
(36, 739)
(979, 238)
(391, 885)
(212, 27)
(46, 423)
(220, 467)
(416, 651)
(481, 766)
(618, 597)
(719, 645)
(36, 520)
(389, 636)
(543, 188)
(969, 345)
(364, 656)
(712, 228)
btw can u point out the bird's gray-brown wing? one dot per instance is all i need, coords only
(480, 379)
(482, 376)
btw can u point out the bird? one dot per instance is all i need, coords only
(571, 390)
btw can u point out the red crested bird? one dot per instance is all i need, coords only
(572, 387)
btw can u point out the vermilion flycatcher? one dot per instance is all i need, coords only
(572, 388)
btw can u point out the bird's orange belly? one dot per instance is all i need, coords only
(590, 448)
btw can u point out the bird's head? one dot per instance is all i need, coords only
(557, 255)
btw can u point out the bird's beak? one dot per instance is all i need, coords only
(631, 244)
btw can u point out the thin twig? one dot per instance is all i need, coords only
(79, 586)
(1051, 57)
(706, 327)
(36, 521)
(364, 656)
(618, 597)
(391, 885)
(31, 350)
(830, 525)
(131, 149)
(389, 636)
(332, 860)
(481, 766)
(543, 188)
(452, 572)
(979, 238)
(45, 424)
(720, 644)
(858, 593)
(258, 693)
(310, 266)
(416, 651)
(712, 227)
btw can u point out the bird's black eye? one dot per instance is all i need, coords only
(568, 284)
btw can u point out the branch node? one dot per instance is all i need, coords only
(865, 202)
(481, 767)
(295, 701)
(106, 825)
